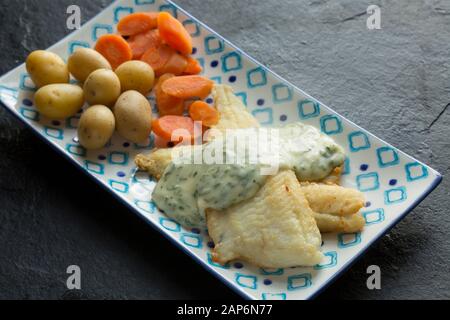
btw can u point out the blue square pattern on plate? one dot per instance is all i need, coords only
(393, 182)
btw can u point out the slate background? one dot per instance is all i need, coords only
(395, 82)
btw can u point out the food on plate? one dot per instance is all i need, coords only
(84, 61)
(158, 57)
(102, 87)
(233, 113)
(274, 229)
(331, 223)
(142, 42)
(157, 39)
(45, 68)
(115, 49)
(193, 67)
(136, 23)
(201, 111)
(59, 101)
(328, 221)
(176, 64)
(266, 204)
(334, 177)
(165, 59)
(336, 209)
(174, 34)
(155, 163)
(186, 190)
(332, 199)
(96, 127)
(133, 114)
(187, 87)
(243, 209)
(218, 186)
(176, 129)
(167, 105)
(136, 75)
(302, 149)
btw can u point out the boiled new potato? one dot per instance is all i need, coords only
(136, 75)
(133, 115)
(84, 61)
(59, 101)
(96, 127)
(46, 68)
(102, 87)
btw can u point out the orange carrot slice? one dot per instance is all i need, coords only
(166, 104)
(169, 126)
(114, 48)
(176, 65)
(186, 87)
(203, 112)
(136, 23)
(161, 143)
(158, 57)
(142, 42)
(193, 67)
(174, 34)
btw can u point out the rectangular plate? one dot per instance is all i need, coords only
(370, 167)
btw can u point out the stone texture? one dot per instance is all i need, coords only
(395, 82)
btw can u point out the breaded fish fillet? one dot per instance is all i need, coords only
(275, 229)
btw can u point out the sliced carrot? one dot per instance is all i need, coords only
(203, 112)
(186, 87)
(154, 17)
(176, 65)
(193, 67)
(161, 143)
(158, 57)
(166, 104)
(174, 34)
(136, 23)
(114, 48)
(142, 42)
(169, 126)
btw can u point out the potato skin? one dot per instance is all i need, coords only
(84, 61)
(46, 68)
(133, 115)
(96, 127)
(102, 87)
(59, 101)
(136, 75)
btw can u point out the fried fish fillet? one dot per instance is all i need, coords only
(333, 199)
(336, 209)
(348, 224)
(275, 229)
(233, 113)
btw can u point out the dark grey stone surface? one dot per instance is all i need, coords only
(395, 82)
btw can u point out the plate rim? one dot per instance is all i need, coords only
(436, 181)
